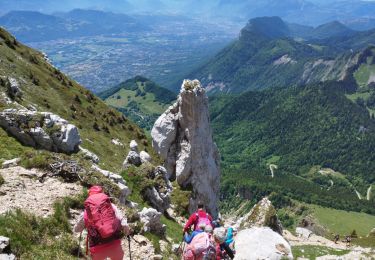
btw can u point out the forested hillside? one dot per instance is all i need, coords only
(317, 139)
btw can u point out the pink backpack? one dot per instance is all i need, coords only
(201, 248)
(100, 220)
(202, 220)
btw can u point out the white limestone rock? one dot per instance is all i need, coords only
(47, 131)
(7, 257)
(261, 243)
(89, 155)
(133, 146)
(133, 158)
(183, 137)
(145, 157)
(13, 88)
(303, 232)
(150, 218)
(117, 142)
(263, 214)
(11, 163)
(4, 243)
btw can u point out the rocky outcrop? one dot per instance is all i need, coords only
(13, 88)
(10, 163)
(263, 214)
(118, 180)
(145, 157)
(89, 155)
(261, 243)
(41, 130)
(150, 218)
(4, 243)
(183, 137)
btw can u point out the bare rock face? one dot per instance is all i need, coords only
(261, 243)
(41, 130)
(150, 218)
(263, 214)
(183, 137)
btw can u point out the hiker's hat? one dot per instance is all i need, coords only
(95, 190)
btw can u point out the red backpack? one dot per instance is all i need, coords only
(100, 220)
(202, 220)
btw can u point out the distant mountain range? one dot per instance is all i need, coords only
(35, 26)
(270, 52)
(357, 15)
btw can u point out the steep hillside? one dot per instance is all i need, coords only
(266, 55)
(42, 114)
(316, 141)
(47, 89)
(140, 99)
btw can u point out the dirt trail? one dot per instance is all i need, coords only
(273, 167)
(23, 190)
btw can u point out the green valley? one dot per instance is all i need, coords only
(140, 99)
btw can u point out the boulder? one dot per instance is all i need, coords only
(89, 155)
(117, 142)
(145, 157)
(41, 130)
(133, 158)
(120, 182)
(7, 257)
(303, 232)
(150, 218)
(261, 243)
(133, 146)
(4, 243)
(183, 137)
(13, 88)
(160, 201)
(263, 214)
(11, 163)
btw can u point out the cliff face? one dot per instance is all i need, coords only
(183, 137)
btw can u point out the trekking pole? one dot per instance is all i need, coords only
(79, 245)
(130, 253)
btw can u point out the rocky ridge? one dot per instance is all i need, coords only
(183, 138)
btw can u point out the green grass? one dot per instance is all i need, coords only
(344, 222)
(312, 252)
(363, 74)
(147, 103)
(174, 230)
(10, 148)
(68, 99)
(30, 236)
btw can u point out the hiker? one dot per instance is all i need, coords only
(189, 237)
(336, 238)
(348, 240)
(198, 217)
(231, 232)
(222, 248)
(105, 225)
(201, 246)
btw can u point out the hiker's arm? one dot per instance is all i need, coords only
(80, 225)
(120, 216)
(190, 222)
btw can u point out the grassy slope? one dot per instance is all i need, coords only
(344, 222)
(57, 93)
(47, 89)
(140, 99)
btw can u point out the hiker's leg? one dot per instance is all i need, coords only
(116, 252)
